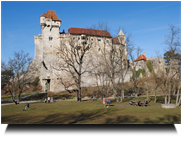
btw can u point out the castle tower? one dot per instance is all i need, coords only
(49, 39)
(49, 20)
(46, 44)
(50, 25)
(122, 39)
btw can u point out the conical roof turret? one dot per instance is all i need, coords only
(121, 33)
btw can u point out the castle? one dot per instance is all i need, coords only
(47, 51)
(47, 44)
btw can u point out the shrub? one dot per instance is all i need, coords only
(150, 66)
(138, 73)
(167, 70)
(36, 81)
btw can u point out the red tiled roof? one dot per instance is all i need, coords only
(52, 15)
(115, 41)
(43, 15)
(141, 57)
(89, 32)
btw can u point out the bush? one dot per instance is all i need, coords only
(138, 73)
(128, 91)
(36, 81)
(150, 66)
(167, 70)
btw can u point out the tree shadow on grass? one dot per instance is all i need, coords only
(80, 117)
(167, 119)
(122, 119)
(89, 117)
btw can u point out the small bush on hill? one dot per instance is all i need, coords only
(138, 73)
(150, 66)
(36, 81)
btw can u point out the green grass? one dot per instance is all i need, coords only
(89, 112)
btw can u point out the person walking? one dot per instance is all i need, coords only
(48, 99)
(108, 101)
(27, 106)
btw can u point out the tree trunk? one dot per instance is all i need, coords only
(79, 81)
(14, 92)
(122, 91)
(169, 96)
(147, 90)
(174, 89)
(166, 93)
(179, 102)
(117, 99)
(113, 86)
(79, 91)
(155, 95)
(135, 87)
(18, 97)
(177, 97)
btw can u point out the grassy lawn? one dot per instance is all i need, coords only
(89, 112)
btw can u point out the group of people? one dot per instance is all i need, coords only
(140, 103)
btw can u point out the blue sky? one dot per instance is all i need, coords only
(148, 21)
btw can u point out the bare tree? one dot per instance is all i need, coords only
(156, 74)
(125, 43)
(72, 60)
(131, 50)
(6, 74)
(102, 80)
(172, 56)
(178, 97)
(114, 57)
(18, 65)
(109, 55)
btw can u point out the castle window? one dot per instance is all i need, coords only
(48, 19)
(50, 38)
(87, 38)
(107, 41)
(91, 39)
(78, 38)
(54, 21)
(73, 38)
(83, 37)
(99, 39)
